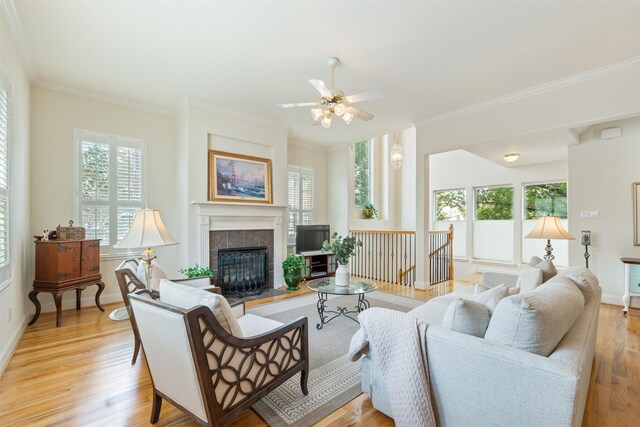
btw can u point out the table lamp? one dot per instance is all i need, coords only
(147, 231)
(549, 227)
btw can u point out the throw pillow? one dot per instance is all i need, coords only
(512, 290)
(547, 268)
(535, 260)
(187, 297)
(529, 278)
(467, 317)
(157, 274)
(491, 297)
(536, 321)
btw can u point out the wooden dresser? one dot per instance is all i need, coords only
(63, 265)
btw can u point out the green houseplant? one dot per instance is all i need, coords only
(343, 248)
(197, 271)
(293, 266)
(369, 211)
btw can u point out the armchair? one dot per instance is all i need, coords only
(208, 372)
(129, 282)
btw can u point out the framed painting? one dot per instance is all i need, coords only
(636, 207)
(239, 178)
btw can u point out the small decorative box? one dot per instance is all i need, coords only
(70, 232)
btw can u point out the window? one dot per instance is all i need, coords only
(111, 184)
(450, 205)
(362, 172)
(545, 200)
(301, 187)
(494, 203)
(5, 135)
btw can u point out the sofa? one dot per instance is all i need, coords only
(492, 382)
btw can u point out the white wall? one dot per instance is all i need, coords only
(601, 173)
(461, 169)
(54, 116)
(339, 189)
(316, 158)
(14, 306)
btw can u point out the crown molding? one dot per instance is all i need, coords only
(212, 108)
(533, 91)
(19, 39)
(148, 108)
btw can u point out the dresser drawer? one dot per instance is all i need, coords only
(634, 269)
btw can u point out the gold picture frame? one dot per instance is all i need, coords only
(636, 208)
(239, 178)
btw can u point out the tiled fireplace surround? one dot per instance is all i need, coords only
(231, 225)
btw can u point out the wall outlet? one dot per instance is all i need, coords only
(10, 314)
(589, 214)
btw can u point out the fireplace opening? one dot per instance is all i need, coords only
(243, 271)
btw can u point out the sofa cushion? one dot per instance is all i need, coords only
(529, 278)
(536, 321)
(157, 275)
(186, 297)
(546, 266)
(491, 297)
(584, 279)
(467, 317)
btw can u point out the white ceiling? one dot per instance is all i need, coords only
(429, 57)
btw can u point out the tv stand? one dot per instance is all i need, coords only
(319, 264)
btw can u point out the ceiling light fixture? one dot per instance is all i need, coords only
(396, 154)
(511, 157)
(326, 122)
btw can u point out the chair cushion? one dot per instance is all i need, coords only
(187, 298)
(467, 317)
(490, 298)
(536, 321)
(157, 274)
(530, 278)
(252, 325)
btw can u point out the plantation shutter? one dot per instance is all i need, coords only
(111, 185)
(301, 199)
(4, 180)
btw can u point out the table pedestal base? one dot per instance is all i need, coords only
(325, 318)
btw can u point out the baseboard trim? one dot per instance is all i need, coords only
(12, 344)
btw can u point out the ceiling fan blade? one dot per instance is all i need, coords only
(300, 104)
(359, 113)
(321, 87)
(365, 96)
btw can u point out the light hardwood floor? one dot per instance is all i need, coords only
(80, 374)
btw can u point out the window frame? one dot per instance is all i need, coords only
(5, 269)
(524, 197)
(435, 203)
(300, 170)
(113, 141)
(475, 201)
(370, 170)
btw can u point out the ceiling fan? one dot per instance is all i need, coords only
(334, 101)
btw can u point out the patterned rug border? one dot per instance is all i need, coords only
(330, 385)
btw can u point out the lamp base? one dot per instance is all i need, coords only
(549, 249)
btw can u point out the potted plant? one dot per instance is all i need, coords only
(197, 271)
(293, 266)
(343, 248)
(369, 211)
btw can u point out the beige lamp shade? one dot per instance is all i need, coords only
(147, 230)
(549, 227)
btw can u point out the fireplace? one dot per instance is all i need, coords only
(243, 271)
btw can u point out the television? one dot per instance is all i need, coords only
(309, 238)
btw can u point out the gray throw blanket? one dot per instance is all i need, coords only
(399, 348)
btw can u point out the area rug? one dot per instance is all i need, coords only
(333, 380)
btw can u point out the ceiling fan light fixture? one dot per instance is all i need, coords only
(316, 113)
(347, 117)
(340, 109)
(326, 122)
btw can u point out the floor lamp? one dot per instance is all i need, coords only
(549, 227)
(147, 231)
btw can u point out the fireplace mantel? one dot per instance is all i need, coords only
(220, 216)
